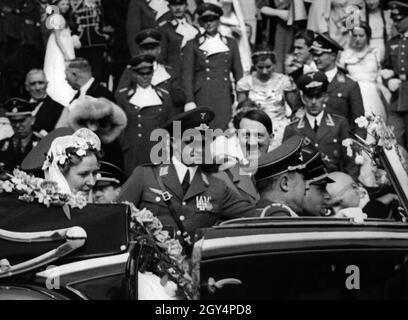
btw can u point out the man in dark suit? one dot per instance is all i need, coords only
(198, 199)
(79, 76)
(144, 14)
(46, 110)
(176, 32)
(344, 94)
(209, 59)
(320, 128)
(164, 77)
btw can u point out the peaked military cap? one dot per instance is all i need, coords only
(142, 61)
(209, 9)
(18, 107)
(110, 175)
(198, 118)
(148, 36)
(176, 2)
(313, 83)
(292, 156)
(324, 44)
(399, 9)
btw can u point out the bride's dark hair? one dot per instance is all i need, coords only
(67, 15)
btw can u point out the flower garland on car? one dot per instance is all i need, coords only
(378, 135)
(32, 189)
(166, 258)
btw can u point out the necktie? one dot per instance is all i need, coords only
(186, 182)
(316, 126)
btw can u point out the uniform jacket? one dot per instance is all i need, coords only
(273, 209)
(140, 16)
(48, 115)
(88, 23)
(207, 201)
(135, 141)
(10, 21)
(332, 131)
(242, 185)
(206, 79)
(172, 53)
(345, 100)
(31, 24)
(171, 86)
(12, 158)
(395, 59)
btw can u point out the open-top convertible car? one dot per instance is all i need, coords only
(118, 252)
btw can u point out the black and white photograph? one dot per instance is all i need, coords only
(229, 152)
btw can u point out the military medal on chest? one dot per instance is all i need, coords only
(203, 203)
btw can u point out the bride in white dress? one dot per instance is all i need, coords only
(60, 48)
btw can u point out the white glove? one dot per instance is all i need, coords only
(394, 84)
(387, 73)
(77, 43)
(190, 106)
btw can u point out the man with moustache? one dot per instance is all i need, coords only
(321, 128)
(396, 78)
(180, 193)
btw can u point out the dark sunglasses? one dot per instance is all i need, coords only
(208, 19)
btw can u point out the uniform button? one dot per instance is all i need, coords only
(208, 78)
(335, 140)
(225, 60)
(225, 79)
(339, 95)
(160, 109)
(139, 135)
(139, 125)
(225, 70)
(208, 69)
(178, 233)
(139, 116)
(316, 145)
(207, 61)
(182, 218)
(157, 199)
(184, 203)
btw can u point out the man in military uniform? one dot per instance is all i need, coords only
(180, 193)
(10, 39)
(344, 95)
(320, 128)
(89, 25)
(284, 175)
(144, 14)
(146, 107)
(208, 61)
(164, 77)
(13, 150)
(176, 33)
(396, 77)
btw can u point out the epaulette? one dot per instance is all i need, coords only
(200, 39)
(4, 144)
(333, 115)
(38, 135)
(174, 22)
(161, 24)
(341, 77)
(161, 91)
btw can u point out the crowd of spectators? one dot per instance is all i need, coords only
(123, 68)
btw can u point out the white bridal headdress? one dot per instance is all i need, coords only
(80, 142)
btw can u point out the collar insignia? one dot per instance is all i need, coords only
(164, 171)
